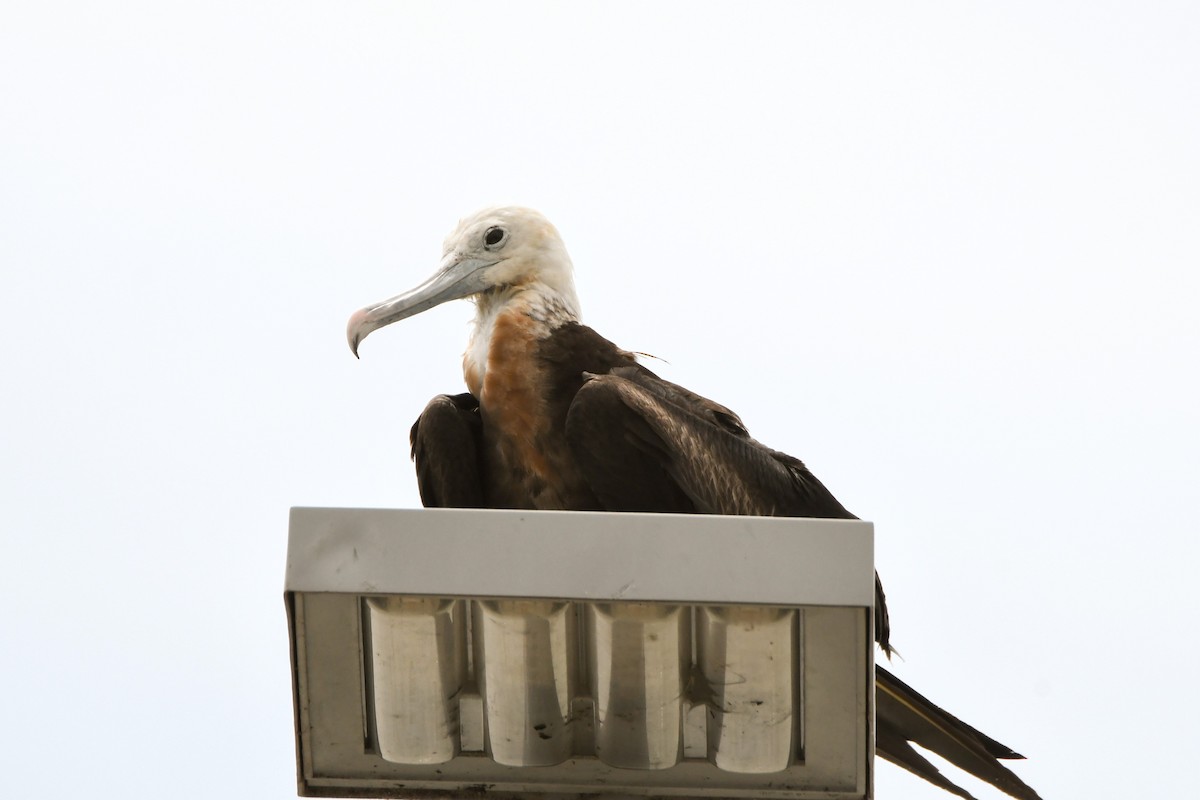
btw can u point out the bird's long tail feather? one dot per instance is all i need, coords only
(904, 717)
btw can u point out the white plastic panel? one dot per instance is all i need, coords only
(686, 558)
(748, 657)
(418, 666)
(639, 655)
(528, 654)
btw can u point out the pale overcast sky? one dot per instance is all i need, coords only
(946, 253)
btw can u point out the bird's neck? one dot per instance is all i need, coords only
(509, 321)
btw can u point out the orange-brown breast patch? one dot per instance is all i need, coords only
(514, 391)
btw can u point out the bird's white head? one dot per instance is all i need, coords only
(493, 257)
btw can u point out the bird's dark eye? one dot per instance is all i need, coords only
(494, 237)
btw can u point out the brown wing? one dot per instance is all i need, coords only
(629, 413)
(645, 444)
(445, 446)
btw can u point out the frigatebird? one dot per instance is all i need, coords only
(558, 417)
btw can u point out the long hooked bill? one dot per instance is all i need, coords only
(457, 277)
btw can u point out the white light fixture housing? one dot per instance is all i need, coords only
(452, 653)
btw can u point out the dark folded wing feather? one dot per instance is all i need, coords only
(645, 444)
(445, 446)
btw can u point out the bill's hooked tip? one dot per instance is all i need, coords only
(354, 328)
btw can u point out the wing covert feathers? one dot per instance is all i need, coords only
(645, 444)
